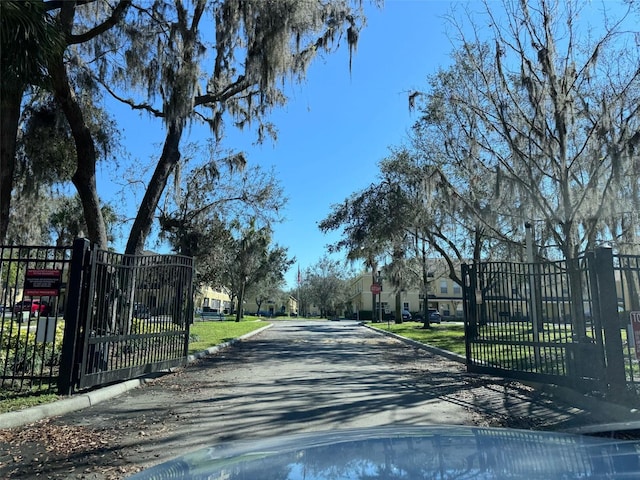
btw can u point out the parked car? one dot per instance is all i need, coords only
(140, 310)
(434, 316)
(406, 315)
(35, 307)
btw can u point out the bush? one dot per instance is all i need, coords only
(21, 353)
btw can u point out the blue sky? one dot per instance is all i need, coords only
(336, 126)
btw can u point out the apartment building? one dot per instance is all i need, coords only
(443, 295)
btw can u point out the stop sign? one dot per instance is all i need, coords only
(376, 288)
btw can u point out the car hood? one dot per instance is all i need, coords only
(411, 453)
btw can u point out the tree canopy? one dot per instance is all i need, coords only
(325, 284)
(535, 121)
(538, 122)
(211, 62)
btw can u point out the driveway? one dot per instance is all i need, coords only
(300, 376)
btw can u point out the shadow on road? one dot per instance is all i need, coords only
(296, 378)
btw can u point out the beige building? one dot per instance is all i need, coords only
(218, 300)
(271, 308)
(215, 300)
(443, 295)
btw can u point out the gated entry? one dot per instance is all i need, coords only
(129, 315)
(546, 321)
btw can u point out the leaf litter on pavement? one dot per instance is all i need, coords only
(30, 451)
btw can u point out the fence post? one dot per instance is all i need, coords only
(470, 308)
(72, 316)
(608, 314)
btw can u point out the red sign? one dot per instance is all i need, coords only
(376, 288)
(635, 330)
(42, 282)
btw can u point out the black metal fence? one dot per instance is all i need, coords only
(78, 317)
(627, 275)
(557, 322)
(33, 297)
(140, 316)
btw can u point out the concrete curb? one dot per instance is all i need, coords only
(612, 413)
(222, 346)
(83, 400)
(438, 351)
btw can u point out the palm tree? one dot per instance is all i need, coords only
(28, 39)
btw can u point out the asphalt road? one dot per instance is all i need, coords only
(295, 377)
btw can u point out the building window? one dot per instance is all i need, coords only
(405, 306)
(205, 302)
(443, 286)
(457, 289)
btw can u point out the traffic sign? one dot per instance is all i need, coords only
(376, 288)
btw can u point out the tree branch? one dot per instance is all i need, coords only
(117, 15)
(131, 103)
(233, 89)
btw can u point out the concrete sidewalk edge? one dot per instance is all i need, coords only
(80, 401)
(438, 351)
(607, 412)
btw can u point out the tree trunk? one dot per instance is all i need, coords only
(144, 219)
(426, 323)
(84, 177)
(239, 312)
(9, 118)
(399, 318)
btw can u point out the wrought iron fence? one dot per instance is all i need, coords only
(33, 298)
(555, 322)
(138, 313)
(627, 275)
(76, 317)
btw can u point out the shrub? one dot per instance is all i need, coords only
(20, 352)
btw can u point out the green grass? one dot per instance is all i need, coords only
(12, 401)
(450, 337)
(211, 333)
(445, 336)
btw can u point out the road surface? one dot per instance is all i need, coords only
(298, 376)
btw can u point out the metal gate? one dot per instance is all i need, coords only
(131, 316)
(546, 321)
(33, 294)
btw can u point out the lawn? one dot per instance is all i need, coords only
(211, 333)
(450, 337)
(9, 401)
(446, 336)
